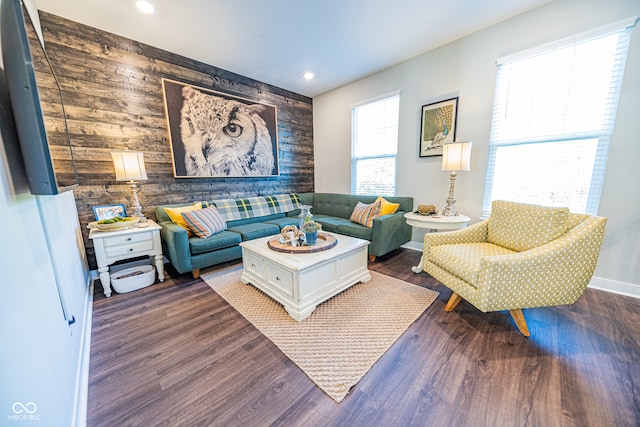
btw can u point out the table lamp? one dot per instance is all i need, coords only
(456, 156)
(129, 166)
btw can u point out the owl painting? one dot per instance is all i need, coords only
(224, 137)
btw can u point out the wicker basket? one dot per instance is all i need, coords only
(133, 278)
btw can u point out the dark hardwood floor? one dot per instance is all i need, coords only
(176, 354)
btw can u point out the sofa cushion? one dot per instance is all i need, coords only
(222, 240)
(330, 223)
(387, 208)
(355, 230)
(365, 214)
(463, 259)
(283, 221)
(236, 222)
(520, 227)
(205, 222)
(342, 205)
(255, 230)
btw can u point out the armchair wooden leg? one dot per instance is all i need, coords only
(518, 317)
(372, 258)
(453, 301)
(196, 273)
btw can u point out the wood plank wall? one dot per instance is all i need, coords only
(113, 99)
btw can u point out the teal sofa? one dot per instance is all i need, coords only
(333, 211)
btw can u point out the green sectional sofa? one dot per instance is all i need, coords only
(246, 222)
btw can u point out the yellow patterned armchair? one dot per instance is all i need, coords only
(523, 256)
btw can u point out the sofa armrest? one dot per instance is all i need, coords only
(176, 246)
(389, 232)
(555, 273)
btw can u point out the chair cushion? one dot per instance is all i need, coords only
(365, 214)
(520, 227)
(463, 259)
(205, 222)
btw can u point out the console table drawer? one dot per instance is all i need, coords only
(131, 249)
(130, 238)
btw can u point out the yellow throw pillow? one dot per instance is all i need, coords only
(176, 215)
(388, 208)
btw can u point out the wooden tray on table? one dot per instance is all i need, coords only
(325, 241)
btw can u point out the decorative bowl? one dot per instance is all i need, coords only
(115, 226)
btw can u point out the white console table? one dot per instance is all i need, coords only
(112, 246)
(435, 222)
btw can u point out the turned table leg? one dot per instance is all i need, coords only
(105, 280)
(160, 267)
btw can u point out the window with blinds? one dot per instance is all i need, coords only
(374, 146)
(553, 116)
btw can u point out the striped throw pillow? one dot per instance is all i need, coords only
(365, 214)
(205, 222)
(175, 214)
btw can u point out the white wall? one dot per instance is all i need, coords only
(466, 68)
(44, 281)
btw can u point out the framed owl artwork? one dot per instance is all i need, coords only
(219, 135)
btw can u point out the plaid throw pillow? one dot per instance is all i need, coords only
(364, 214)
(205, 222)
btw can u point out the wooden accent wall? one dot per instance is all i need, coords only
(113, 99)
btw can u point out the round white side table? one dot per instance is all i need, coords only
(435, 222)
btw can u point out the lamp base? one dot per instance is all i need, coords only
(137, 213)
(450, 208)
(137, 209)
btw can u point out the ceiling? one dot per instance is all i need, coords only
(277, 41)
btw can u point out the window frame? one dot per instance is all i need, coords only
(355, 159)
(603, 135)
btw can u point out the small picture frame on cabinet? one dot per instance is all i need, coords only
(109, 211)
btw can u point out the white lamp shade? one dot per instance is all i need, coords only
(129, 165)
(456, 156)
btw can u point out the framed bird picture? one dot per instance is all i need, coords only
(438, 126)
(219, 135)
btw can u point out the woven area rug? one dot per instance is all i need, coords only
(342, 339)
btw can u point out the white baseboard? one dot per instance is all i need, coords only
(415, 246)
(622, 288)
(82, 383)
(600, 283)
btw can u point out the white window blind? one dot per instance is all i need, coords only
(553, 116)
(374, 146)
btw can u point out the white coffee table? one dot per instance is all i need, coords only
(435, 222)
(301, 281)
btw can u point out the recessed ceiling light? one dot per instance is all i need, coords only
(145, 6)
(308, 75)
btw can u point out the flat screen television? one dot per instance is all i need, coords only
(46, 150)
